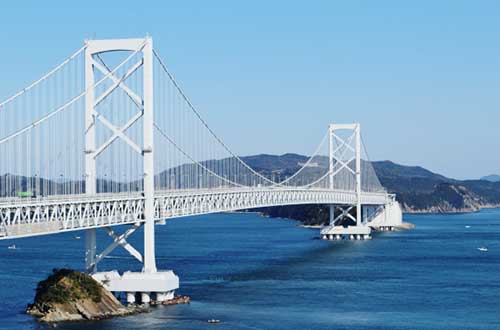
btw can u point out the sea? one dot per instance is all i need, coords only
(252, 272)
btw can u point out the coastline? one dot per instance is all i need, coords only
(403, 226)
(311, 226)
(316, 220)
(434, 210)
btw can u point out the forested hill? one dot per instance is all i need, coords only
(418, 189)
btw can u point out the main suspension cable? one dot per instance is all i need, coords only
(47, 75)
(70, 102)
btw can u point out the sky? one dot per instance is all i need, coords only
(422, 78)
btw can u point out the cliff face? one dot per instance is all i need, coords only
(68, 295)
(422, 191)
(445, 198)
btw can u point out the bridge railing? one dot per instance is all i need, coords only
(55, 215)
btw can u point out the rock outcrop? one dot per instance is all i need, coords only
(445, 198)
(177, 300)
(68, 295)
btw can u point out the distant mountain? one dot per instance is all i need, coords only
(417, 189)
(420, 190)
(274, 163)
(491, 178)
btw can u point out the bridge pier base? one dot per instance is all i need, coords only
(334, 233)
(142, 286)
(388, 218)
(148, 287)
(130, 297)
(145, 297)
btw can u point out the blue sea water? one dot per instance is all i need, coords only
(257, 273)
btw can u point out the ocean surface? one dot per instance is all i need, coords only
(258, 273)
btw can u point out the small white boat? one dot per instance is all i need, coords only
(12, 247)
(467, 226)
(77, 237)
(213, 321)
(483, 249)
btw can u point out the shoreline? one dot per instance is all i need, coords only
(461, 211)
(311, 226)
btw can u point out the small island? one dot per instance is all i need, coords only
(69, 295)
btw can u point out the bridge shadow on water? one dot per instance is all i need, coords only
(254, 249)
(280, 268)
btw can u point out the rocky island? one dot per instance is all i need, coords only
(69, 295)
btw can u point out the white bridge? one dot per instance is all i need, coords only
(109, 138)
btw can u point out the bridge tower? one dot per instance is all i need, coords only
(343, 151)
(339, 163)
(149, 280)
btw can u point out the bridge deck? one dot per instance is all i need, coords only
(41, 216)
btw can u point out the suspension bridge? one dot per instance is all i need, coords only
(109, 138)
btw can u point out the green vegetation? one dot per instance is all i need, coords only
(307, 214)
(66, 285)
(419, 189)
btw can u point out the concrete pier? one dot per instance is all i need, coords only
(334, 233)
(140, 286)
(130, 297)
(145, 297)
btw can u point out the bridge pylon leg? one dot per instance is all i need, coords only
(331, 221)
(148, 161)
(90, 250)
(358, 174)
(90, 162)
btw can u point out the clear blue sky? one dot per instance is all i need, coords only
(422, 77)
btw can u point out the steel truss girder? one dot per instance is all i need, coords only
(58, 214)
